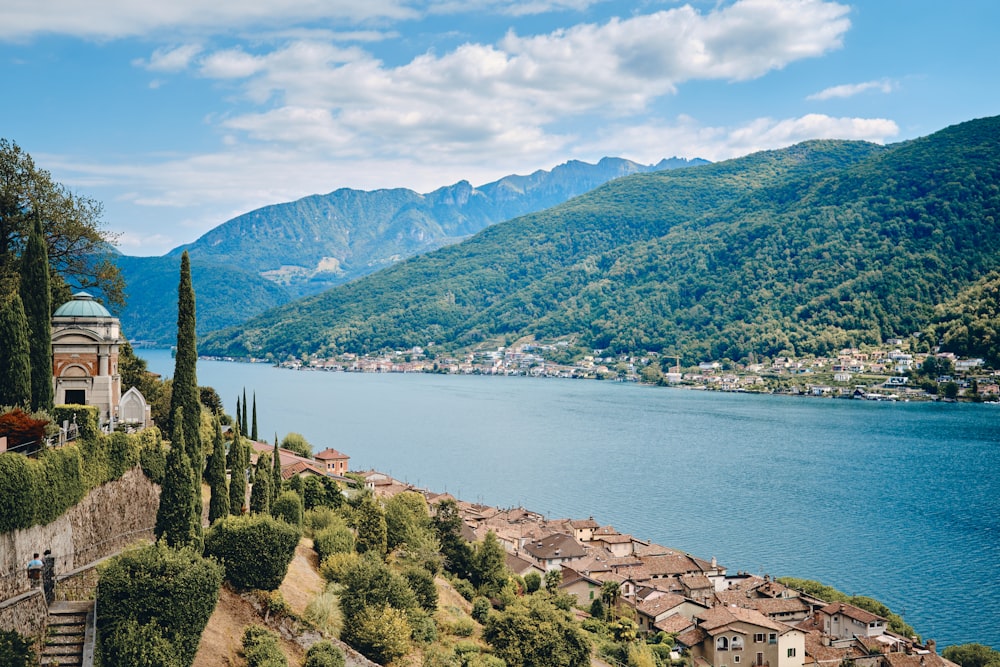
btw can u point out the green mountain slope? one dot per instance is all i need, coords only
(803, 250)
(223, 295)
(303, 247)
(969, 324)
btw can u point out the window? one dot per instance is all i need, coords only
(736, 658)
(758, 638)
(772, 638)
(791, 653)
(721, 644)
(737, 643)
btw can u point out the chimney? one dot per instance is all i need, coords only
(932, 646)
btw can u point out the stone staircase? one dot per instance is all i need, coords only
(66, 637)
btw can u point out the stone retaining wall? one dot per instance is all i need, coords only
(109, 518)
(25, 614)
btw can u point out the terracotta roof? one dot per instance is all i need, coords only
(691, 637)
(926, 659)
(695, 581)
(660, 605)
(722, 617)
(673, 623)
(299, 467)
(850, 611)
(581, 524)
(553, 546)
(671, 564)
(331, 454)
(780, 605)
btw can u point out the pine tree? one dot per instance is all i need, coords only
(218, 505)
(260, 494)
(275, 472)
(243, 424)
(175, 519)
(37, 301)
(253, 429)
(237, 474)
(15, 354)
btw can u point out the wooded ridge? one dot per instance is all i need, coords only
(804, 250)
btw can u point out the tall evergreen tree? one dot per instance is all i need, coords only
(237, 473)
(37, 301)
(185, 394)
(253, 428)
(260, 494)
(243, 424)
(275, 470)
(218, 505)
(175, 518)
(15, 353)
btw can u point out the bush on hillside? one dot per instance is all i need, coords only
(335, 539)
(135, 644)
(324, 654)
(288, 507)
(261, 648)
(172, 589)
(255, 549)
(16, 651)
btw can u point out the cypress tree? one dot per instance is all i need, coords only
(218, 506)
(175, 519)
(185, 387)
(239, 416)
(260, 494)
(243, 424)
(237, 474)
(253, 431)
(37, 301)
(275, 472)
(15, 354)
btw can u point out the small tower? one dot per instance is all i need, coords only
(85, 341)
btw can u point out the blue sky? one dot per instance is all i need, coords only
(178, 116)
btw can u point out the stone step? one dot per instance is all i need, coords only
(65, 637)
(60, 661)
(75, 629)
(62, 649)
(62, 640)
(72, 606)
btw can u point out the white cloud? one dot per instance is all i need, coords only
(170, 60)
(506, 97)
(649, 142)
(110, 19)
(852, 89)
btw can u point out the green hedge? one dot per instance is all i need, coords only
(255, 549)
(38, 491)
(174, 590)
(87, 419)
(288, 507)
(334, 539)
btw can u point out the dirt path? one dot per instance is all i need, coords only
(220, 643)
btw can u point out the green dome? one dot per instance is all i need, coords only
(82, 305)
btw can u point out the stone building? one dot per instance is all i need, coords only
(85, 342)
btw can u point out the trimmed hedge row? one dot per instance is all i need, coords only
(162, 595)
(255, 549)
(38, 491)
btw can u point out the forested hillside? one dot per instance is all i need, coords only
(273, 254)
(802, 250)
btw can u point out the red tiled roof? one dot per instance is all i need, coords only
(331, 454)
(850, 611)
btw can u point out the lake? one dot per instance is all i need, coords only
(898, 501)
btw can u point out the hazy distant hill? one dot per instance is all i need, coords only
(303, 247)
(806, 249)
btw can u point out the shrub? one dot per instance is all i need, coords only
(173, 589)
(152, 455)
(324, 654)
(255, 549)
(134, 644)
(422, 583)
(318, 518)
(464, 588)
(17, 485)
(462, 627)
(323, 611)
(532, 582)
(288, 507)
(15, 650)
(335, 539)
(336, 566)
(261, 648)
(481, 609)
(423, 629)
(85, 416)
(380, 633)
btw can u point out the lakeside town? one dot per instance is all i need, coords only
(887, 373)
(715, 617)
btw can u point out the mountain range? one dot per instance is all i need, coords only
(275, 254)
(808, 249)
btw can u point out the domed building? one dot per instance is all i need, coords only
(85, 342)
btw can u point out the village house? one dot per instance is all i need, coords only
(845, 621)
(334, 462)
(730, 636)
(553, 551)
(657, 606)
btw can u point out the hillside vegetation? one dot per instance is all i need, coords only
(276, 253)
(802, 250)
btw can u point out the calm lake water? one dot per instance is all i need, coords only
(897, 501)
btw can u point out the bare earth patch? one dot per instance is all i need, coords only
(220, 643)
